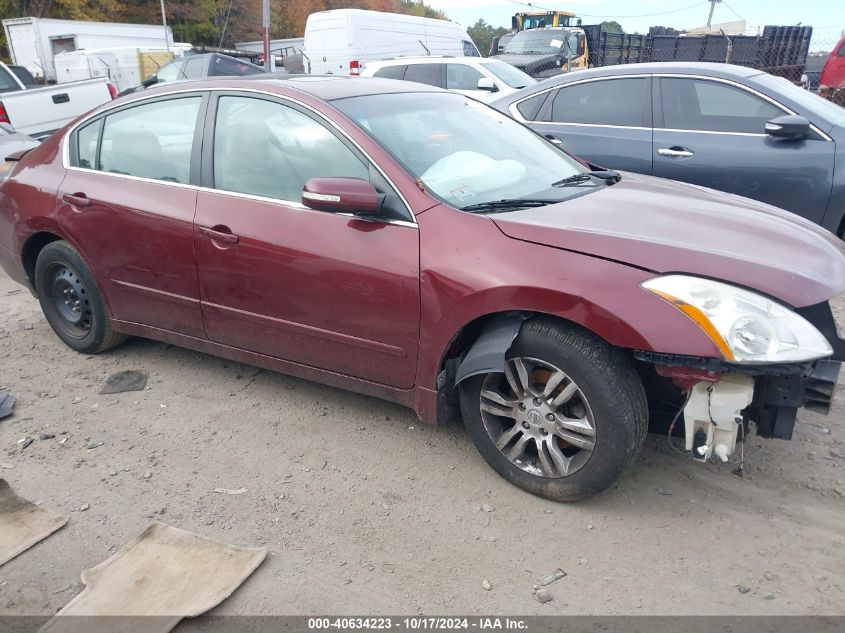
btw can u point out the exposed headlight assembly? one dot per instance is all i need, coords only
(746, 327)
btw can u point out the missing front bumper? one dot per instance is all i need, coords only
(778, 397)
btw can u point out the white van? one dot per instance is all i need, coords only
(341, 41)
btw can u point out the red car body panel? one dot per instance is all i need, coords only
(377, 307)
(321, 289)
(833, 72)
(139, 238)
(639, 221)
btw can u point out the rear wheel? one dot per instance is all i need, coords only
(566, 417)
(71, 300)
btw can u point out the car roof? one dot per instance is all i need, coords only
(324, 87)
(421, 59)
(723, 71)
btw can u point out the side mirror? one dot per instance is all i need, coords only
(342, 195)
(485, 83)
(788, 126)
(150, 81)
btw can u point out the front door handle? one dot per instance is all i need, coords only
(220, 234)
(676, 152)
(77, 199)
(554, 140)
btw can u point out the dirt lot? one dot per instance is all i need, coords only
(366, 510)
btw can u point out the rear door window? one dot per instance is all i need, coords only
(153, 140)
(391, 72)
(228, 66)
(711, 106)
(194, 67)
(618, 102)
(430, 74)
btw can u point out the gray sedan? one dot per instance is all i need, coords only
(727, 127)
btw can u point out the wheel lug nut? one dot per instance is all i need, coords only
(550, 417)
(543, 432)
(522, 406)
(525, 425)
(537, 402)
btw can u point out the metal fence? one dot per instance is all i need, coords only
(780, 50)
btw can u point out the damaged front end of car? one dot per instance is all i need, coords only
(721, 399)
(776, 361)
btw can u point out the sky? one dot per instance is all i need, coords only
(827, 17)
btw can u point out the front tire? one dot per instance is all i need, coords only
(565, 419)
(71, 301)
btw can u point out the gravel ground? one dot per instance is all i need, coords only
(365, 510)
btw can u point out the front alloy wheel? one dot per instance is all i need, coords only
(538, 418)
(566, 415)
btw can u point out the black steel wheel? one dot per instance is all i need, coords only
(71, 300)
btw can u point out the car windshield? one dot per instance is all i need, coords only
(464, 151)
(541, 42)
(512, 76)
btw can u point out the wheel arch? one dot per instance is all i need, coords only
(469, 334)
(32, 247)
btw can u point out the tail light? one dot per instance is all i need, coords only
(354, 68)
(4, 116)
(112, 90)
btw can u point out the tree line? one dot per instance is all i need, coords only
(204, 22)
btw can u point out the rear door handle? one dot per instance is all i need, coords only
(220, 234)
(554, 140)
(77, 199)
(676, 152)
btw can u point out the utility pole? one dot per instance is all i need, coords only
(265, 35)
(164, 24)
(712, 6)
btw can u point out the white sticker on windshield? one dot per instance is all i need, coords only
(462, 193)
(556, 43)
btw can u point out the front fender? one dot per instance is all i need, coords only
(463, 280)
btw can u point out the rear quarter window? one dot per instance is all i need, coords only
(531, 106)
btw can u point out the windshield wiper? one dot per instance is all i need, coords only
(508, 203)
(608, 175)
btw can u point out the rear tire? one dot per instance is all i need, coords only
(71, 301)
(567, 417)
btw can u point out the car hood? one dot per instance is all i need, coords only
(665, 226)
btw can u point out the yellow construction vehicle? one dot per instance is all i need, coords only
(538, 19)
(552, 33)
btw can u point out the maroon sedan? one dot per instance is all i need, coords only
(413, 244)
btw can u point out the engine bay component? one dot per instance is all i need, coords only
(713, 414)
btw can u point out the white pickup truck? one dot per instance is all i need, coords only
(39, 111)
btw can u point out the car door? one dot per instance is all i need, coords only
(711, 132)
(127, 202)
(322, 289)
(606, 121)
